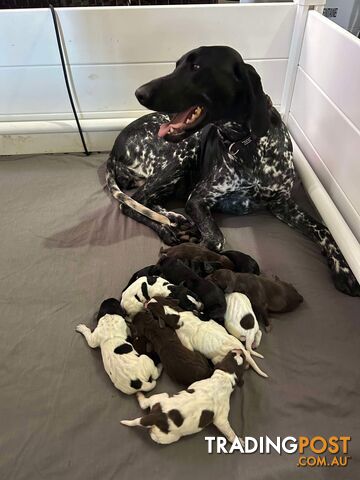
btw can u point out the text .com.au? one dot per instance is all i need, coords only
(314, 451)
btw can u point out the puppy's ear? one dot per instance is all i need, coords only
(259, 116)
(172, 321)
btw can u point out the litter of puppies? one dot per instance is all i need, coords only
(188, 316)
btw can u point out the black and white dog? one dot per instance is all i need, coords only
(239, 163)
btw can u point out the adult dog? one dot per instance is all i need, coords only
(239, 163)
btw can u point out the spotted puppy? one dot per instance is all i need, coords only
(240, 321)
(189, 411)
(182, 365)
(208, 338)
(265, 294)
(128, 371)
(210, 294)
(144, 288)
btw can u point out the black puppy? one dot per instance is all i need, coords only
(210, 294)
(242, 263)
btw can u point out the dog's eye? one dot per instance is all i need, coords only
(195, 66)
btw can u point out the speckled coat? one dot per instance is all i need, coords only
(223, 167)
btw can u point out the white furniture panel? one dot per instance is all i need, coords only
(331, 57)
(138, 35)
(335, 139)
(36, 92)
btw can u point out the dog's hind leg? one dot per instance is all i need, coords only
(286, 210)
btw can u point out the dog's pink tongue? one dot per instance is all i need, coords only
(177, 122)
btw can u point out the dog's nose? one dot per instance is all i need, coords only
(143, 94)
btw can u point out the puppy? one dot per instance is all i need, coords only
(144, 288)
(189, 411)
(182, 365)
(128, 371)
(265, 295)
(208, 338)
(242, 262)
(210, 295)
(193, 252)
(241, 322)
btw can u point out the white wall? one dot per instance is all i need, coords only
(111, 51)
(325, 112)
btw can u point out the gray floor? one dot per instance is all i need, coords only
(65, 246)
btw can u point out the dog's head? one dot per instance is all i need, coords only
(208, 84)
(156, 307)
(141, 321)
(110, 306)
(233, 363)
(223, 278)
(188, 300)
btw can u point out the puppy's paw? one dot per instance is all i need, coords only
(81, 328)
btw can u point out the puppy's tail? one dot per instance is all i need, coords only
(248, 343)
(132, 423)
(253, 364)
(130, 202)
(146, 421)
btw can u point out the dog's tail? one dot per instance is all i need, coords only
(248, 343)
(146, 421)
(253, 364)
(130, 202)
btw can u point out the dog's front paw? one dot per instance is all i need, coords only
(81, 328)
(343, 278)
(346, 282)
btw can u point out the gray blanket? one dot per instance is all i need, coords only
(65, 246)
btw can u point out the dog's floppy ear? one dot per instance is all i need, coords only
(259, 112)
(259, 117)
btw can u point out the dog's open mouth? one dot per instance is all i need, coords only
(181, 122)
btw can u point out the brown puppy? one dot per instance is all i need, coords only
(181, 364)
(265, 294)
(193, 252)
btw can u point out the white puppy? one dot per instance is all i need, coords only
(208, 338)
(128, 371)
(145, 288)
(241, 322)
(191, 410)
